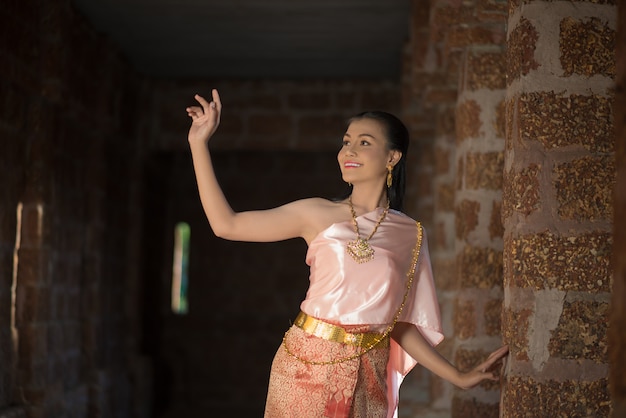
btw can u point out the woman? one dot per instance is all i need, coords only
(371, 311)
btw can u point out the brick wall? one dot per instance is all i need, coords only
(68, 175)
(92, 323)
(430, 76)
(617, 336)
(271, 114)
(558, 207)
(477, 201)
(456, 76)
(215, 360)
(11, 158)
(277, 142)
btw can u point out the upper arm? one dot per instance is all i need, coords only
(291, 220)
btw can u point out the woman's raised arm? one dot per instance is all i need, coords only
(288, 221)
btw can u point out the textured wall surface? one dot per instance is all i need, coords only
(242, 296)
(455, 79)
(559, 174)
(70, 181)
(270, 114)
(513, 170)
(429, 95)
(478, 230)
(617, 327)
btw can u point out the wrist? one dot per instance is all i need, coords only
(198, 145)
(458, 378)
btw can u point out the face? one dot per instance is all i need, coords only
(364, 155)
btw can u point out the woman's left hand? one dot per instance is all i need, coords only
(481, 372)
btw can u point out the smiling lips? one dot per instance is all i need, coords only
(351, 164)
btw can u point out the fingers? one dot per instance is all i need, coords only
(216, 103)
(500, 352)
(483, 372)
(216, 100)
(206, 107)
(194, 111)
(493, 358)
(203, 102)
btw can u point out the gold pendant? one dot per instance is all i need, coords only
(360, 250)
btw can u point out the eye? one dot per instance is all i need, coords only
(365, 142)
(345, 142)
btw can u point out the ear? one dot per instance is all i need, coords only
(394, 157)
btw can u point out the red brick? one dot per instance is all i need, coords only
(466, 218)
(387, 99)
(33, 344)
(464, 319)
(521, 47)
(321, 132)
(309, 101)
(441, 96)
(270, 124)
(32, 303)
(474, 35)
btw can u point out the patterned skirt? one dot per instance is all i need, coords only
(354, 388)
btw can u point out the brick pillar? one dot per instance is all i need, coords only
(466, 66)
(557, 208)
(418, 117)
(617, 327)
(479, 160)
(428, 107)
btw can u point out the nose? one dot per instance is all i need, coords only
(350, 150)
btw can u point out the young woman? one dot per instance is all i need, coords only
(371, 312)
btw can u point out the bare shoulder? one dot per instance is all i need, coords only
(314, 204)
(320, 214)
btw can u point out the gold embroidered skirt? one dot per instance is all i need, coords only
(353, 388)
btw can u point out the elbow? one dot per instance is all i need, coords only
(228, 232)
(223, 233)
(222, 226)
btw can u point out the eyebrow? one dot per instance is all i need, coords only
(361, 135)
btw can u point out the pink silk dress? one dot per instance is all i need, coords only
(361, 298)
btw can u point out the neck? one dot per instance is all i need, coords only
(366, 200)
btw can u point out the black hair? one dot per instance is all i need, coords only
(397, 139)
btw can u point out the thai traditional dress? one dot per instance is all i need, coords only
(314, 375)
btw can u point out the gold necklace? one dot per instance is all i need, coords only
(360, 249)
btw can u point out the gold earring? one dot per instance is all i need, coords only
(389, 177)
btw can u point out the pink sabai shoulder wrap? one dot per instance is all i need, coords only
(347, 293)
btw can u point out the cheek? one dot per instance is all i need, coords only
(339, 157)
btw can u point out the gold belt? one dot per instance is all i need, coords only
(336, 333)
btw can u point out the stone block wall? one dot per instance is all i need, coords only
(478, 228)
(277, 142)
(559, 174)
(617, 327)
(456, 79)
(68, 229)
(79, 286)
(429, 92)
(306, 115)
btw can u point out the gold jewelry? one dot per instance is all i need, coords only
(389, 176)
(360, 249)
(336, 333)
(380, 337)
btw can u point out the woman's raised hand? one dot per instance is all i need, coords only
(204, 118)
